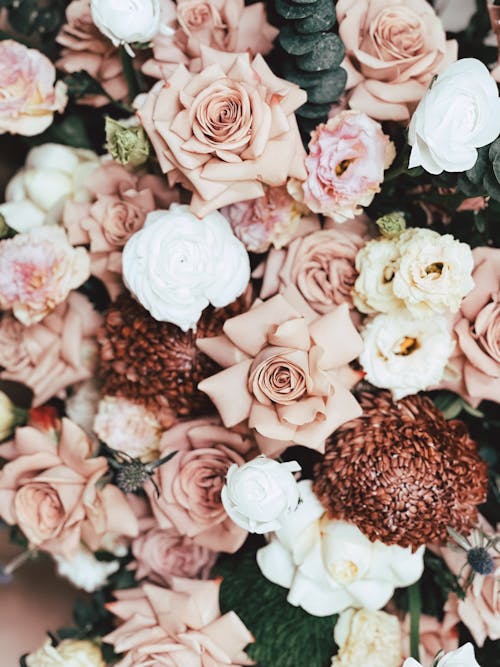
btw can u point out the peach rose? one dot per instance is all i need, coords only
(284, 373)
(394, 48)
(435, 635)
(50, 491)
(345, 165)
(28, 96)
(225, 132)
(191, 484)
(53, 354)
(224, 25)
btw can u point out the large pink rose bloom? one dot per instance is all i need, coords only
(224, 25)
(37, 272)
(474, 370)
(394, 48)
(53, 354)
(227, 131)
(29, 95)
(191, 483)
(177, 627)
(50, 491)
(345, 165)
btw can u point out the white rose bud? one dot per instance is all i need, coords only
(70, 653)
(460, 113)
(177, 264)
(7, 416)
(461, 657)
(259, 494)
(127, 21)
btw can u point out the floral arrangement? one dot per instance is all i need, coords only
(250, 328)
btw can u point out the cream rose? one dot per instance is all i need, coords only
(69, 653)
(259, 493)
(7, 416)
(177, 264)
(462, 657)
(127, 23)
(460, 113)
(376, 264)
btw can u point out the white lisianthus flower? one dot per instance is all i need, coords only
(367, 638)
(85, 571)
(434, 272)
(258, 494)
(405, 354)
(125, 22)
(457, 115)
(461, 657)
(177, 264)
(69, 653)
(376, 264)
(329, 566)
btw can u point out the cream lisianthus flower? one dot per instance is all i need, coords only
(376, 264)
(367, 638)
(69, 653)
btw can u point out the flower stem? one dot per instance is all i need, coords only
(130, 75)
(415, 604)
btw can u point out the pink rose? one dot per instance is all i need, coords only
(180, 626)
(28, 96)
(191, 483)
(345, 165)
(37, 272)
(53, 354)
(224, 25)
(227, 131)
(50, 491)
(394, 48)
(435, 635)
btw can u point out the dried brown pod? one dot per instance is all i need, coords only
(402, 473)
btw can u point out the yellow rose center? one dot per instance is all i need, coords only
(343, 571)
(342, 167)
(436, 269)
(407, 346)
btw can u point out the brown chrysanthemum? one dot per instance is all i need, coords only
(155, 363)
(402, 473)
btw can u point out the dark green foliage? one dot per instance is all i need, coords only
(484, 177)
(285, 636)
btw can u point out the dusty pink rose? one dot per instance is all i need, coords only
(119, 203)
(29, 95)
(474, 371)
(191, 483)
(37, 272)
(227, 131)
(224, 25)
(393, 49)
(87, 49)
(50, 491)
(54, 353)
(345, 165)
(320, 264)
(177, 627)
(435, 635)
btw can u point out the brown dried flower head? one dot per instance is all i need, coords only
(402, 473)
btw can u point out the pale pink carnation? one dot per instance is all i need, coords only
(37, 272)
(345, 165)
(29, 95)
(127, 427)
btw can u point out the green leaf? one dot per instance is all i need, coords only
(476, 173)
(23, 16)
(81, 83)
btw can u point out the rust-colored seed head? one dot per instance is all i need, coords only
(153, 362)
(402, 473)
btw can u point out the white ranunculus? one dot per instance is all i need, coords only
(457, 115)
(260, 493)
(461, 657)
(85, 571)
(405, 354)
(178, 264)
(434, 272)
(329, 566)
(69, 653)
(127, 21)
(376, 264)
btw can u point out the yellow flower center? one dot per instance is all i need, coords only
(407, 346)
(342, 167)
(343, 572)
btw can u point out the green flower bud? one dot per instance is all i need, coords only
(392, 224)
(127, 145)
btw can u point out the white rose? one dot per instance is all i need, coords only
(178, 264)
(127, 21)
(367, 638)
(405, 354)
(85, 571)
(434, 272)
(457, 115)
(461, 657)
(260, 493)
(329, 566)
(81, 406)
(69, 653)
(376, 264)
